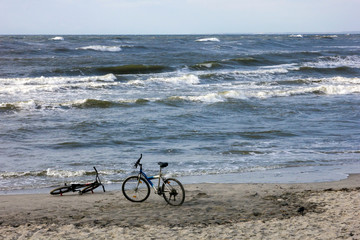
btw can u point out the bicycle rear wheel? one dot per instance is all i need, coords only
(60, 190)
(173, 192)
(136, 189)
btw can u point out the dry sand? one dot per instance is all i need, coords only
(211, 211)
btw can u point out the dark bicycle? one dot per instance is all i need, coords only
(79, 187)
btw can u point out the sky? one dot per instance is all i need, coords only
(178, 16)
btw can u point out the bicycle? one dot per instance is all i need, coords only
(137, 188)
(76, 187)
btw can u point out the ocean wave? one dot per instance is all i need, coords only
(55, 173)
(213, 39)
(4, 107)
(96, 103)
(88, 103)
(45, 173)
(101, 48)
(187, 79)
(250, 61)
(92, 103)
(132, 69)
(56, 80)
(334, 70)
(296, 36)
(206, 65)
(262, 72)
(15, 86)
(333, 62)
(57, 38)
(226, 63)
(326, 36)
(322, 90)
(286, 56)
(280, 69)
(324, 86)
(200, 171)
(21, 105)
(262, 60)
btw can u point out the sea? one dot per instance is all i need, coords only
(217, 108)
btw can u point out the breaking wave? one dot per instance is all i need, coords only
(326, 86)
(208, 40)
(246, 90)
(80, 104)
(55, 173)
(333, 62)
(58, 38)
(187, 79)
(15, 86)
(296, 36)
(101, 48)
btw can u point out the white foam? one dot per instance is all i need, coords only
(101, 48)
(335, 62)
(326, 86)
(188, 79)
(207, 65)
(58, 38)
(263, 71)
(337, 89)
(64, 173)
(51, 80)
(16, 86)
(208, 40)
(48, 81)
(296, 36)
(327, 36)
(208, 98)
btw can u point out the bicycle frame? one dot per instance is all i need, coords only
(79, 187)
(148, 179)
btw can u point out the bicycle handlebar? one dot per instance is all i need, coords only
(138, 161)
(98, 179)
(97, 175)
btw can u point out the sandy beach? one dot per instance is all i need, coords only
(329, 210)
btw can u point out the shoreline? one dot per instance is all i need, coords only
(288, 175)
(322, 210)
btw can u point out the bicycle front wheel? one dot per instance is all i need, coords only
(136, 189)
(90, 188)
(60, 190)
(173, 192)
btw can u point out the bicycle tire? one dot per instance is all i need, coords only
(60, 190)
(135, 189)
(90, 188)
(173, 192)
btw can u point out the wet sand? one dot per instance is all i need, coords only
(329, 210)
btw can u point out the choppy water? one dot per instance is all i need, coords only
(208, 105)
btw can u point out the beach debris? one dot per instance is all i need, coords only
(301, 210)
(256, 213)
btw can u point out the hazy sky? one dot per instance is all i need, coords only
(177, 16)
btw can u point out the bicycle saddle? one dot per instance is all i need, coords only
(163, 164)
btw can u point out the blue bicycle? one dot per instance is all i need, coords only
(137, 188)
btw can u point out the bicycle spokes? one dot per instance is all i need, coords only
(173, 192)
